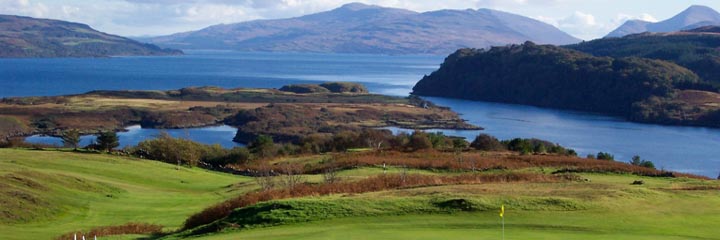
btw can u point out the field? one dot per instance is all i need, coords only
(46, 193)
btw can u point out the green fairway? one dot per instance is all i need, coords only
(608, 207)
(47, 193)
(523, 225)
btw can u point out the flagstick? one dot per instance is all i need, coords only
(503, 227)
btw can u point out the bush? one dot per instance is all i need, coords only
(420, 140)
(182, 151)
(524, 146)
(236, 155)
(486, 142)
(605, 156)
(637, 161)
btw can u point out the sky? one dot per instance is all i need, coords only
(585, 19)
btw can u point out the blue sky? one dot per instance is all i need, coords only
(586, 19)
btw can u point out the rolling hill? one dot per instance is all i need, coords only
(693, 17)
(360, 28)
(46, 193)
(31, 37)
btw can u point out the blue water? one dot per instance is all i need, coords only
(133, 135)
(687, 149)
(42, 77)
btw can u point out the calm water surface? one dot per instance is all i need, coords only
(133, 135)
(687, 149)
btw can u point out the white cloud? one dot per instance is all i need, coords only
(581, 25)
(621, 18)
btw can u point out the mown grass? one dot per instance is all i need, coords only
(55, 192)
(605, 207)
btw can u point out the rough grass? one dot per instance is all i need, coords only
(48, 193)
(281, 212)
(372, 184)
(467, 161)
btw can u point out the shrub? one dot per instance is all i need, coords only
(439, 140)
(637, 161)
(420, 140)
(236, 155)
(183, 151)
(605, 156)
(486, 142)
(459, 144)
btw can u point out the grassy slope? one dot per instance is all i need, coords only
(607, 207)
(85, 190)
(72, 191)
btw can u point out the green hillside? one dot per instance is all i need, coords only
(47, 193)
(44, 194)
(32, 37)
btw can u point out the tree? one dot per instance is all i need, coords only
(263, 146)
(71, 138)
(107, 140)
(605, 156)
(637, 161)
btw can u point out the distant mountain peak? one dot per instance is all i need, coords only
(362, 28)
(692, 17)
(694, 8)
(356, 6)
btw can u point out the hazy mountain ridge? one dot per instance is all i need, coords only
(360, 28)
(693, 17)
(32, 37)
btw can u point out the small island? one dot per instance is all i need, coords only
(284, 114)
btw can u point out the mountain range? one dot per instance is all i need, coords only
(33, 37)
(693, 17)
(360, 28)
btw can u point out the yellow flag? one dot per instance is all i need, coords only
(502, 210)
